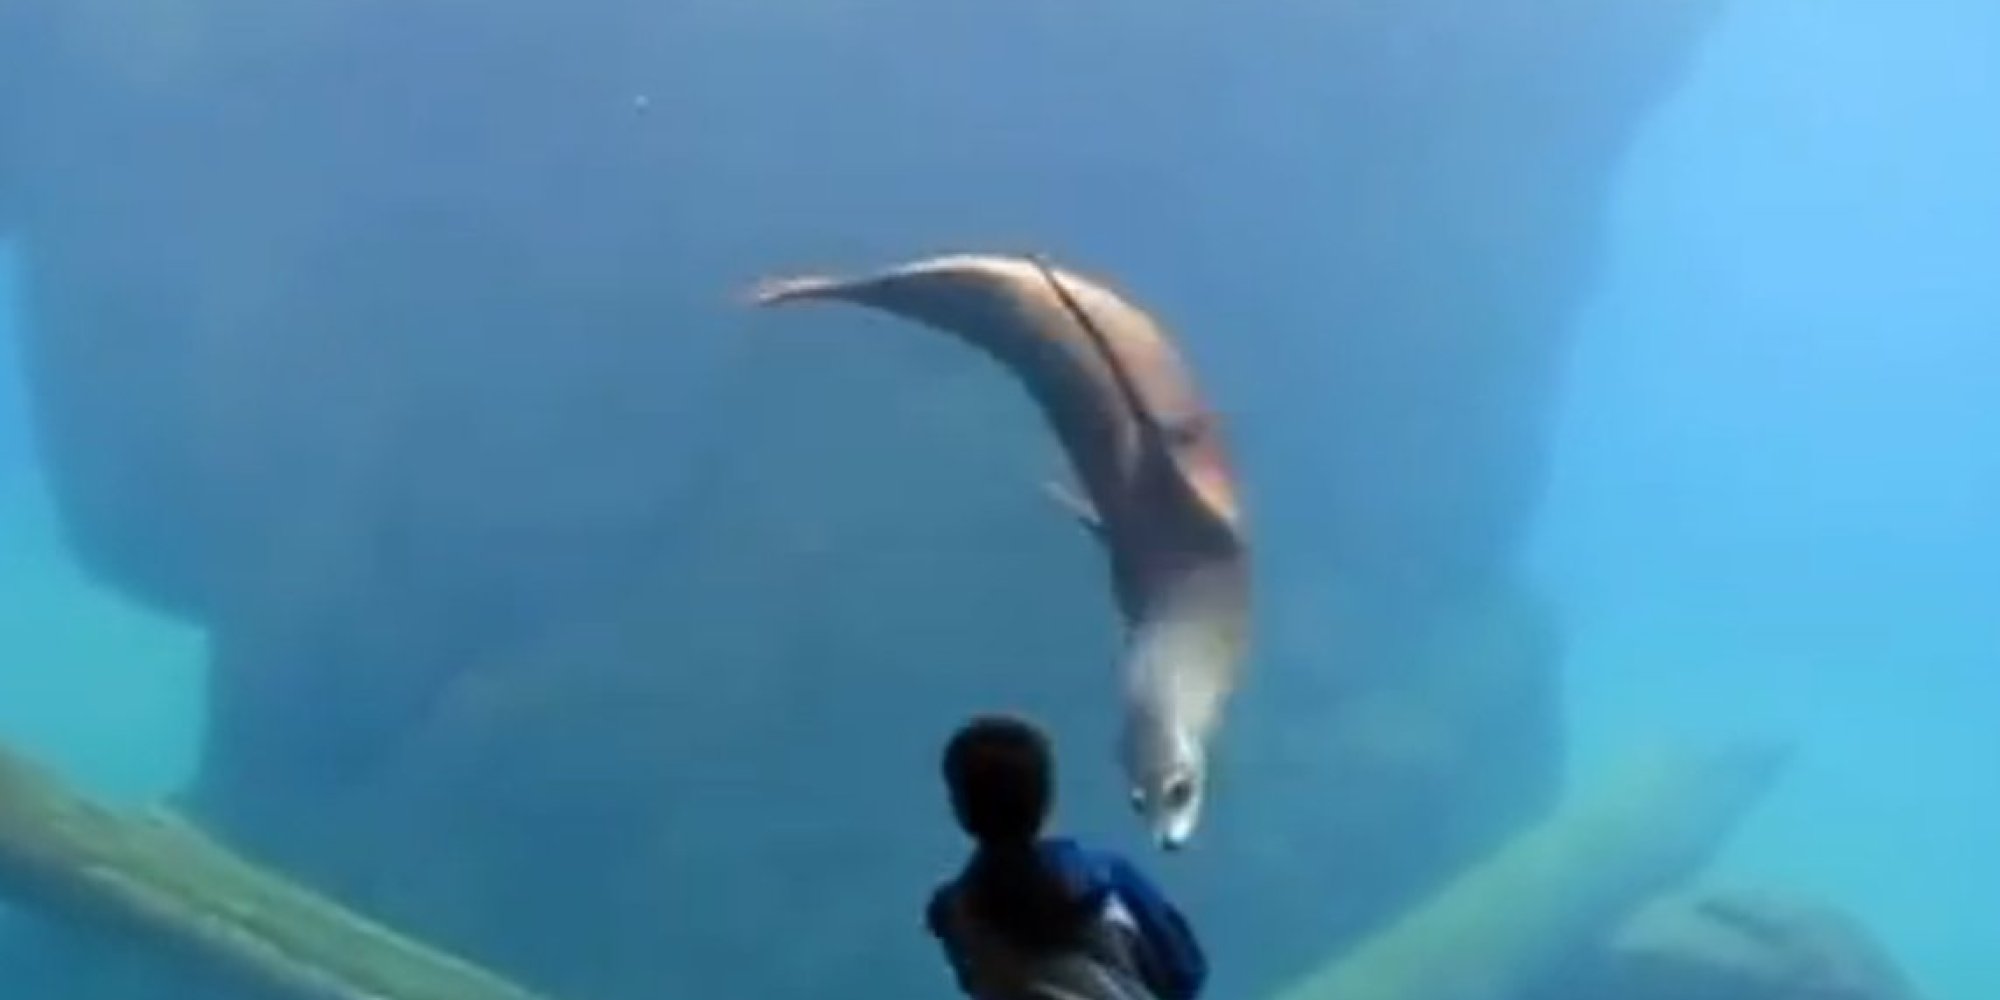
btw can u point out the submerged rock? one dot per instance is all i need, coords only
(1738, 944)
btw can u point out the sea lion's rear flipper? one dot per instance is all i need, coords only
(1078, 506)
(778, 290)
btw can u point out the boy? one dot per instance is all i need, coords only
(1032, 917)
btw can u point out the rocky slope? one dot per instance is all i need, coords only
(565, 612)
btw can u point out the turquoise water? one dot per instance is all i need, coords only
(103, 690)
(1774, 500)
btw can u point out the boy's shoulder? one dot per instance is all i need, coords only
(1103, 865)
(936, 907)
(1071, 854)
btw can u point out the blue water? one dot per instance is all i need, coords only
(1774, 500)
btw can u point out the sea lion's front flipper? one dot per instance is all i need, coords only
(1166, 432)
(1186, 431)
(1078, 506)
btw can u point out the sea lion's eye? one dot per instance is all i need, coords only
(1179, 791)
(1138, 799)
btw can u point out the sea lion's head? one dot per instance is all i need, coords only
(1167, 773)
(1179, 666)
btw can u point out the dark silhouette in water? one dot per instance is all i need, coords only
(1036, 916)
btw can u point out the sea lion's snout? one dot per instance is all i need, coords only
(1167, 783)
(1171, 809)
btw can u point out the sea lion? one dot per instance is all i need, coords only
(1158, 489)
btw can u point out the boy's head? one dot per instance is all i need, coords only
(1001, 776)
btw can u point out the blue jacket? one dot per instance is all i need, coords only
(1169, 957)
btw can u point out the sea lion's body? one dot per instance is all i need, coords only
(1158, 490)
